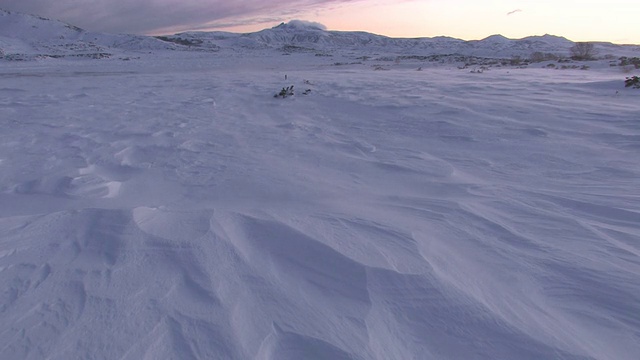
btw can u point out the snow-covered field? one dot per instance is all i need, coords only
(169, 207)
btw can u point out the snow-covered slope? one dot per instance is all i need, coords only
(172, 208)
(502, 46)
(22, 26)
(320, 40)
(26, 37)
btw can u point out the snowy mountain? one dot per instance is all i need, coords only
(313, 38)
(26, 36)
(21, 26)
(318, 39)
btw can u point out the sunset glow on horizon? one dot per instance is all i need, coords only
(613, 21)
(468, 20)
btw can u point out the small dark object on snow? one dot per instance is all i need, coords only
(633, 81)
(288, 91)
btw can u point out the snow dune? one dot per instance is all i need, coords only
(172, 208)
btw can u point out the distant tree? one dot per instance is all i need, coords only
(583, 51)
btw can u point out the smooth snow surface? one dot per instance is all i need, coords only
(170, 207)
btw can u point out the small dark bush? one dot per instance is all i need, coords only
(288, 91)
(634, 61)
(539, 56)
(632, 82)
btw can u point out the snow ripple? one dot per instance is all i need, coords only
(194, 216)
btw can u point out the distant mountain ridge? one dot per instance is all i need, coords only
(320, 39)
(23, 37)
(286, 35)
(27, 36)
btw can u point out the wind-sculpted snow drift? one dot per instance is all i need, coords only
(170, 207)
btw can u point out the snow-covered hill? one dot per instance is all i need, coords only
(26, 36)
(319, 40)
(312, 37)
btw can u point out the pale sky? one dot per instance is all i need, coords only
(615, 20)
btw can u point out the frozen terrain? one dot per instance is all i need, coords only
(169, 207)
